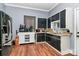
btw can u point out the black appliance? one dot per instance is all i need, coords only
(5, 28)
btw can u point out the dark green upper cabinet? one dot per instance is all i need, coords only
(63, 19)
(41, 23)
(49, 22)
(55, 17)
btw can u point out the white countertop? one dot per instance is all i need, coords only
(60, 34)
(57, 34)
(26, 33)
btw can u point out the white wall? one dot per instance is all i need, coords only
(17, 15)
(59, 8)
(2, 7)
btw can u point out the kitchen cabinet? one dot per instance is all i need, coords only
(41, 22)
(66, 19)
(63, 19)
(48, 38)
(61, 43)
(26, 37)
(40, 37)
(53, 41)
(55, 17)
(49, 22)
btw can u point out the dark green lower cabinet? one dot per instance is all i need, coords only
(48, 38)
(40, 37)
(56, 44)
(54, 41)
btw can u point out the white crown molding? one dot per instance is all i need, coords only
(12, 5)
(53, 6)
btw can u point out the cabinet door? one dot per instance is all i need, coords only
(63, 19)
(54, 41)
(39, 37)
(58, 42)
(21, 38)
(41, 23)
(43, 37)
(55, 17)
(49, 23)
(32, 37)
(48, 38)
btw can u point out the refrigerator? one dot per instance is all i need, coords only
(5, 33)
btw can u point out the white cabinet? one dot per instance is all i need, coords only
(32, 37)
(21, 38)
(26, 37)
(65, 45)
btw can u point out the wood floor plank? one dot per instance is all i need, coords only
(41, 49)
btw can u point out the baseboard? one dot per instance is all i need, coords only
(40, 42)
(66, 52)
(27, 43)
(7, 46)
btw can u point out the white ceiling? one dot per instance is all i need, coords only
(34, 6)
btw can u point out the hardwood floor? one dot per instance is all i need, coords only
(41, 49)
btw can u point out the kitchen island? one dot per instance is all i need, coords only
(26, 37)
